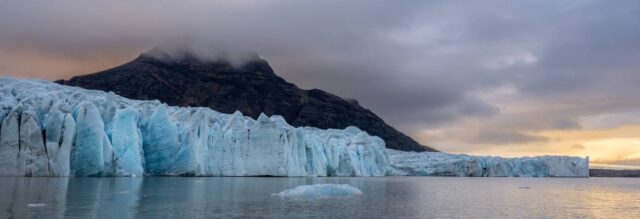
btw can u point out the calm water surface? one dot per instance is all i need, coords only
(383, 197)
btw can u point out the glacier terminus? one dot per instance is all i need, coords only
(49, 129)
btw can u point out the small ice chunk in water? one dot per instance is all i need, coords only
(36, 205)
(319, 191)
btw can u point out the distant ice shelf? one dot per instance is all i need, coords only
(54, 130)
(443, 164)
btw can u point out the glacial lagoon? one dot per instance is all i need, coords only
(382, 197)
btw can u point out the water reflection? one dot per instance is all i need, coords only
(387, 197)
(154, 197)
(104, 197)
(41, 193)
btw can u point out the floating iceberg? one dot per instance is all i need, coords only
(442, 164)
(54, 130)
(319, 191)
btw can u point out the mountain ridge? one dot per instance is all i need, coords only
(251, 87)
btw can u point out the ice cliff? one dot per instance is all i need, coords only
(442, 164)
(48, 129)
(55, 130)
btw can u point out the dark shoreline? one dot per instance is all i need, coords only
(613, 173)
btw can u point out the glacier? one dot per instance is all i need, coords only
(319, 191)
(48, 129)
(443, 164)
(55, 130)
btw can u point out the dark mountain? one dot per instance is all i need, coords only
(251, 88)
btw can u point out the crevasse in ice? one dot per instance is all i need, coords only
(54, 130)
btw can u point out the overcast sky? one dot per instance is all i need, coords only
(482, 77)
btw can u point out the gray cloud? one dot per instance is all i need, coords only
(421, 65)
(492, 137)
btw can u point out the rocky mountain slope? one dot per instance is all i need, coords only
(251, 88)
